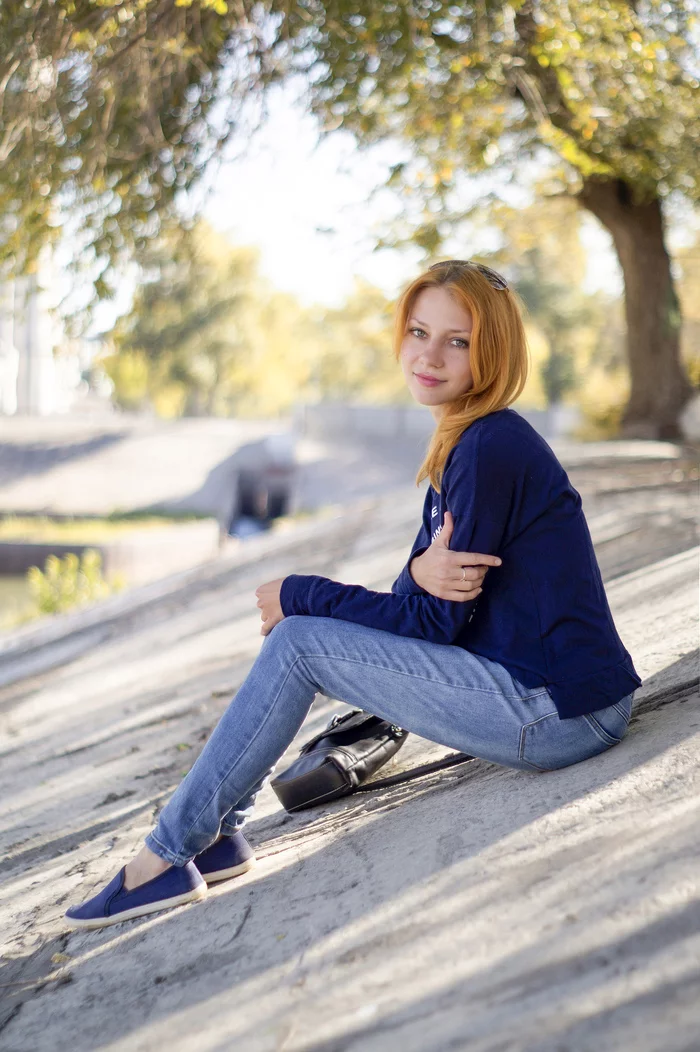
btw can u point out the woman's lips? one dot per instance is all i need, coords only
(427, 381)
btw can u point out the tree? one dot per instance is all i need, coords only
(606, 93)
(543, 254)
(689, 289)
(188, 325)
(355, 346)
(110, 112)
(206, 335)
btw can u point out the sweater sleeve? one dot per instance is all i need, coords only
(478, 485)
(404, 583)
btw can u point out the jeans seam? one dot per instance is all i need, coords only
(600, 731)
(523, 731)
(424, 679)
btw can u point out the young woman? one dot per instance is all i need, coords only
(527, 670)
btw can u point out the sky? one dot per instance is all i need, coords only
(305, 204)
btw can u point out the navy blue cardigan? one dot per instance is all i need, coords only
(543, 614)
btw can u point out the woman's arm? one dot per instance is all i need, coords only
(404, 583)
(478, 487)
(435, 569)
(450, 575)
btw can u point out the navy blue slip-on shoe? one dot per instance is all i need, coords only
(114, 903)
(228, 857)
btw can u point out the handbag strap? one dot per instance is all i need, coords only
(415, 772)
(353, 720)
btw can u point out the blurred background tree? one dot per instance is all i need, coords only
(576, 337)
(113, 110)
(606, 94)
(355, 357)
(206, 335)
(189, 324)
(110, 113)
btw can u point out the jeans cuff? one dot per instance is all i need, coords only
(228, 830)
(154, 845)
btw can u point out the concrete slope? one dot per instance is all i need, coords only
(124, 463)
(480, 908)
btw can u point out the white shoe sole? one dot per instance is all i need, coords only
(224, 874)
(139, 911)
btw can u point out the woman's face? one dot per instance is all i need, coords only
(435, 349)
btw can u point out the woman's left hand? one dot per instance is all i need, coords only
(269, 603)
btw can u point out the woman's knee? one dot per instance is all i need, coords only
(293, 631)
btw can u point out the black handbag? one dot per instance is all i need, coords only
(345, 754)
(334, 763)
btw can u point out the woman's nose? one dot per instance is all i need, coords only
(432, 353)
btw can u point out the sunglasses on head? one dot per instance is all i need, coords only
(494, 279)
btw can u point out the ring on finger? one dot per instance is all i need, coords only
(464, 573)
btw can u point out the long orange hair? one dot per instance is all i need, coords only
(498, 355)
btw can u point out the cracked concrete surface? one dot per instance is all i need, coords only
(477, 908)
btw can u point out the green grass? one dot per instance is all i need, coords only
(34, 529)
(16, 601)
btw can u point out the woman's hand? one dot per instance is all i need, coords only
(269, 603)
(450, 575)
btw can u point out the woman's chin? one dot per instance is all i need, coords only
(429, 396)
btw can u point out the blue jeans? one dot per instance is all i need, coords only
(443, 693)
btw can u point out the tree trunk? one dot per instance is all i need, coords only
(659, 383)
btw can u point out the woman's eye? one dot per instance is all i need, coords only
(421, 333)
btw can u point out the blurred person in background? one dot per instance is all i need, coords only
(521, 666)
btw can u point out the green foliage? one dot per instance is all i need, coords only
(607, 88)
(129, 372)
(541, 250)
(601, 421)
(188, 325)
(693, 367)
(37, 529)
(69, 582)
(355, 359)
(206, 335)
(111, 110)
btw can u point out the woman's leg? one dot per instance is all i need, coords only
(442, 693)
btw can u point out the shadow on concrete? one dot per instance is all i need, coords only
(447, 1029)
(26, 976)
(19, 460)
(233, 928)
(69, 841)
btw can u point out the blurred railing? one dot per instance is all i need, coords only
(329, 419)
